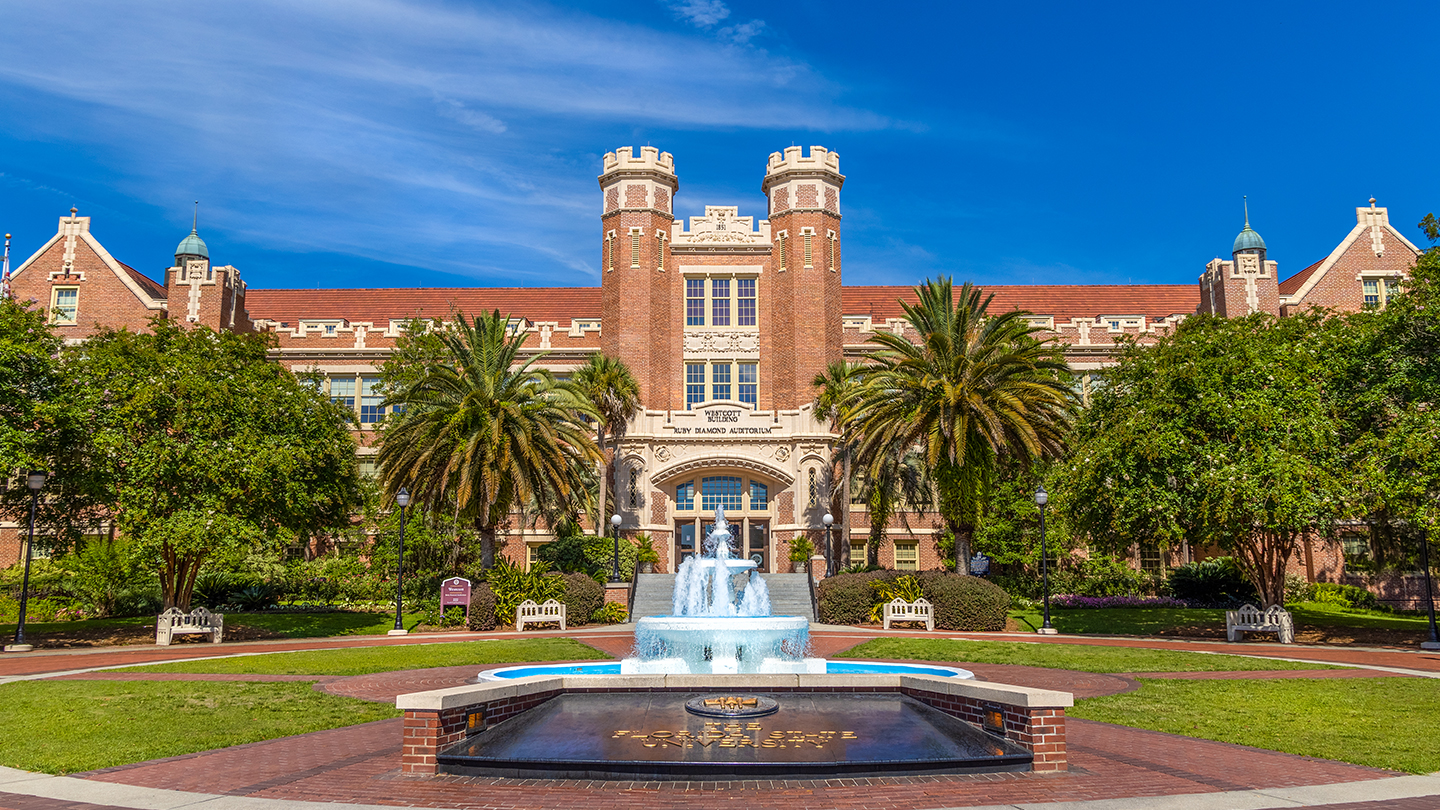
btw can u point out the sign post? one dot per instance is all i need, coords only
(455, 592)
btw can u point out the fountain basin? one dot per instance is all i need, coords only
(831, 667)
(721, 645)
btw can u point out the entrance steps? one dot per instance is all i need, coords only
(789, 595)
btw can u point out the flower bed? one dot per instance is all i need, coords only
(1072, 601)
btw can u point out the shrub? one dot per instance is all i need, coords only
(482, 607)
(847, 598)
(104, 577)
(964, 602)
(1297, 589)
(1216, 582)
(645, 549)
(904, 588)
(1346, 596)
(610, 613)
(513, 585)
(215, 588)
(583, 596)
(801, 549)
(253, 598)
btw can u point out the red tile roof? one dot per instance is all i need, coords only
(1292, 285)
(154, 288)
(378, 306)
(560, 304)
(1064, 301)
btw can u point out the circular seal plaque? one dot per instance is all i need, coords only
(730, 706)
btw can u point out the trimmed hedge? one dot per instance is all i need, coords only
(583, 596)
(482, 607)
(847, 598)
(960, 602)
(963, 602)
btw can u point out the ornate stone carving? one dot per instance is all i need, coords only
(722, 225)
(727, 343)
(662, 453)
(782, 453)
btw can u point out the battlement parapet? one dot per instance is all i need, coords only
(820, 159)
(650, 160)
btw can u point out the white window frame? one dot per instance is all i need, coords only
(55, 309)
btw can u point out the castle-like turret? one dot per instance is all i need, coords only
(640, 307)
(804, 195)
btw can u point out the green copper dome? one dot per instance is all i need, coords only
(193, 245)
(1248, 240)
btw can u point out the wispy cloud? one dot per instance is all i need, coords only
(468, 135)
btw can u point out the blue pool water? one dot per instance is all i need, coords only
(831, 668)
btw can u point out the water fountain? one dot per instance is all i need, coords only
(717, 627)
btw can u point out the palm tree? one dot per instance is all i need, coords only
(896, 477)
(606, 382)
(485, 428)
(837, 385)
(971, 387)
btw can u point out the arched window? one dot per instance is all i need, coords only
(721, 491)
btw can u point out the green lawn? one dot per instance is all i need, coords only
(364, 661)
(1154, 621)
(1062, 656)
(70, 726)
(1381, 722)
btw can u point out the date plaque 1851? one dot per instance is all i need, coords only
(732, 706)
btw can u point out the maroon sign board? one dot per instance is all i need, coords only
(455, 592)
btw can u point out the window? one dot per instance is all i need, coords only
(694, 302)
(814, 488)
(685, 496)
(781, 242)
(635, 247)
(366, 466)
(759, 496)
(660, 237)
(833, 240)
(745, 302)
(1379, 291)
(532, 554)
(720, 379)
(1152, 561)
(720, 302)
(907, 556)
(371, 410)
(634, 489)
(694, 384)
(722, 491)
(749, 378)
(1356, 548)
(1114, 326)
(342, 391)
(857, 552)
(808, 236)
(65, 304)
(610, 251)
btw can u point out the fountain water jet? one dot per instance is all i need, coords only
(712, 630)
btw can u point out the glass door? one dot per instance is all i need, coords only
(759, 546)
(684, 542)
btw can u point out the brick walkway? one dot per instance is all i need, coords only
(359, 764)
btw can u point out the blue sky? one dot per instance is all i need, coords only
(372, 143)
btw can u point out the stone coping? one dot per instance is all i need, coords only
(471, 694)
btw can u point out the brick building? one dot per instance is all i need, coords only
(724, 320)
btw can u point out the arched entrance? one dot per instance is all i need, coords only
(748, 501)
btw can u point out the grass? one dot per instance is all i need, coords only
(1380, 722)
(1084, 658)
(1321, 614)
(363, 661)
(70, 726)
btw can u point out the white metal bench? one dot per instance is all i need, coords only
(1250, 619)
(175, 622)
(898, 610)
(531, 613)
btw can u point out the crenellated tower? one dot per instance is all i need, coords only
(1246, 284)
(639, 313)
(805, 329)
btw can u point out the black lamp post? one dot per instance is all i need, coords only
(829, 521)
(403, 499)
(35, 479)
(615, 521)
(1042, 498)
(1434, 642)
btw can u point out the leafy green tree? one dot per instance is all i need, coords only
(612, 391)
(1226, 432)
(201, 448)
(482, 428)
(971, 388)
(896, 481)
